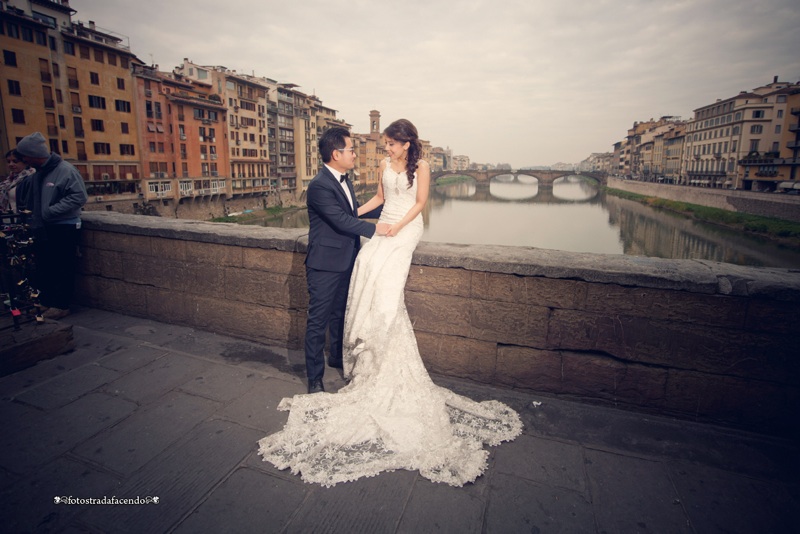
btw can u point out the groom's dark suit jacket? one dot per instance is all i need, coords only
(334, 232)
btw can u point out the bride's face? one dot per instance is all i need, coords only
(395, 149)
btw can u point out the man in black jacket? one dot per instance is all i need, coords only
(334, 239)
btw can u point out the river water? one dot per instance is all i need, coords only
(574, 215)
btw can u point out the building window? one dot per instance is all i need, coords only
(777, 128)
(99, 56)
(97, 125)
(102, 148)
(780, 114)
(124, 127)
(754, 145)
(69, 48)
(65, 147)
(112, 59)
(9, 58)
(97, 102)
(127, 150)
(758, 113)
(13, 30)
(84, 51)
(94, 78)
(27, 34)
(121, 84)
(123, 105)
(14, 88)
(18, 116)
(40, 37)
(756, 129)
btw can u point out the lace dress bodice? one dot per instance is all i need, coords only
(390, 415)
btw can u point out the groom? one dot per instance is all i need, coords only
(333, 241)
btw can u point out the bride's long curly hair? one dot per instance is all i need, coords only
(403, 131)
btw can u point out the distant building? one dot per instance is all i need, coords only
(736, 142)
(71, 82)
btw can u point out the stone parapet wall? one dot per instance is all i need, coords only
(695, 339)
(776, 205)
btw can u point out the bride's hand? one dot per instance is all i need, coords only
(393, 230)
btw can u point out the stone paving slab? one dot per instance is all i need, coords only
(181, 478)
(519, 505)
(42, 438)
(68, 387)
(157, 378)
(146, 433)
(633, 495)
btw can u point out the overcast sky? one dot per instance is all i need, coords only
(524, 82)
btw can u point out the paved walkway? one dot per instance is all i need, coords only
(149, 410)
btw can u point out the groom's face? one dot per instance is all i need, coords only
(345, 158)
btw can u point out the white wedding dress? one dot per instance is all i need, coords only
(390, 415)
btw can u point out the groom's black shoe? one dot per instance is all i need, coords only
(335, 363)
(315, 386)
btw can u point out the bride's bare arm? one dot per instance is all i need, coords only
(423, 187)
(377, 200)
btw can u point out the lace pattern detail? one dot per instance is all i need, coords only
(390, 415)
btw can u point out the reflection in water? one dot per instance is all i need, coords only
(573, 215)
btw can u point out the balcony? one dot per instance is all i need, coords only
(794, 127)
(793, 144)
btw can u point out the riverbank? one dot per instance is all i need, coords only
(785, 233)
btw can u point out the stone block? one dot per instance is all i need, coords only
(168, 306)
(455, 282)
(538, 291)
(509, 323)
(214, 254)
(439, 314)
(660, 304)
(596, 376)
(115, 295)
(529, 368)
(32, 343)
(250, 321)
(773, 316)
(168, 249)
(122, 242)
(205, 279)
(266, 288)
(458, 356)
(149, 271)
(273, 261)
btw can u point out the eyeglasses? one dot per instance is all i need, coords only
(353, 150)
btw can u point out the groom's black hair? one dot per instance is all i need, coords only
(330, 140)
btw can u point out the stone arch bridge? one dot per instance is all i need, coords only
(545, 177)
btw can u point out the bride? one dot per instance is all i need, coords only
(390, 415)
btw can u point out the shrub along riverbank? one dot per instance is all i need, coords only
(786, 233)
